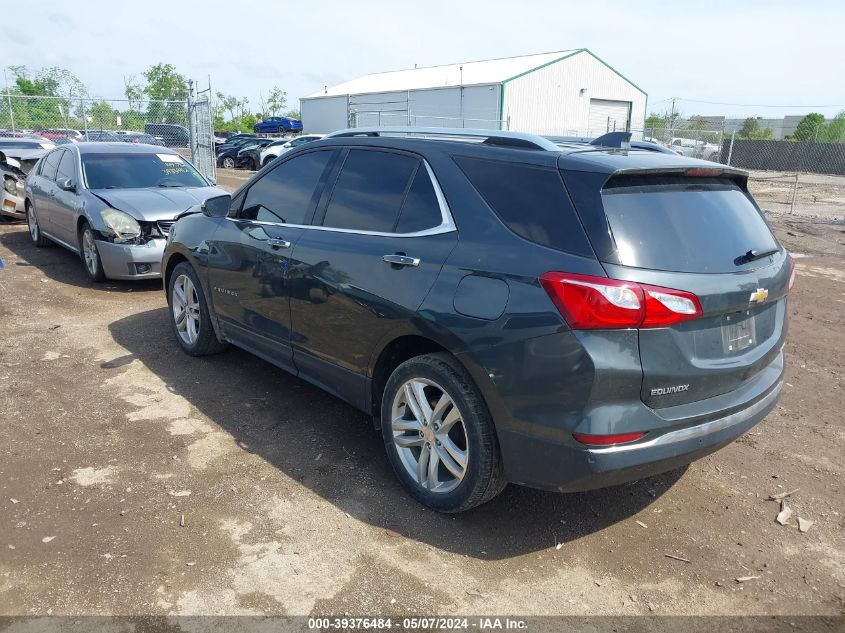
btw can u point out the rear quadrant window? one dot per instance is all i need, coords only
(530, 200)
(421, 209)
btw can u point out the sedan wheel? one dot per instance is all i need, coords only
(186, 310)
(228, 163)
(34, 230)
(90, 255)
(429, 434)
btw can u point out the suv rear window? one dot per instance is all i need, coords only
(530, 200)
(696, 225)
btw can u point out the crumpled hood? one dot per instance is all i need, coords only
(23, 154)
(161, 203)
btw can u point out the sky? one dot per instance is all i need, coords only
(747, 54)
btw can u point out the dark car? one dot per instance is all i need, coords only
(238, 140)
(170, 134)
(277, 125)
(228, 157)
(508, 309)
(102, 136)
(249, 156)
(140, 137)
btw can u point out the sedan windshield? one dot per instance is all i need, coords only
(137, 171)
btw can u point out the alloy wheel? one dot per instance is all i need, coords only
(89, 252)
(429, 435)
(33, 223)
(186, 309)
(228, 163)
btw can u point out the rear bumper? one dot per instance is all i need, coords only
(131, 261)
(681, 435)
(12, 205)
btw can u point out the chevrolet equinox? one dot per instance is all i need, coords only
(507, 307)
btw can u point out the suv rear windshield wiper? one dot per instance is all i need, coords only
(753, 255)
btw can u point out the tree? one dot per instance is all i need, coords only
(48, 82)
(227, 103)
(165, 84)
(277, 100)
(751, 130)
(102, 116)
(134, 91)
(809, 127)
(294, 114)
(59, 83)
(834, 132)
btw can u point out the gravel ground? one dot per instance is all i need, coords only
(137, 480)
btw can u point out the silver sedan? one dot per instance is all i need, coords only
(112, 203)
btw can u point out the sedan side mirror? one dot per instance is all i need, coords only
(217, 207)
(66, 184)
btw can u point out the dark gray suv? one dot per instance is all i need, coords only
(508, 308)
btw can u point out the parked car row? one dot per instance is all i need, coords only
(253, 152)
(506, 307)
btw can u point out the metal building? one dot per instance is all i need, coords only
(570, 92)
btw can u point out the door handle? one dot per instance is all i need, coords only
(277, 242)
(401, 260)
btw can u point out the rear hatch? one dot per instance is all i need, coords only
(698, 231)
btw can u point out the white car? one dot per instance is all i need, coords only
(696, 148)
(274, 150)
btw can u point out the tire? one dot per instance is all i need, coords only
(267, 160)
(90, 255)
(34, 229)
(228, 163)
(280, 130)
(193, 331)
(455, 431)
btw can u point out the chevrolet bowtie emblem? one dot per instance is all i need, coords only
(759, 296)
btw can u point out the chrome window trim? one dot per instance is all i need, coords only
(447, 224)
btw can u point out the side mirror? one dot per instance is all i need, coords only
(217, 207)
(66, 184)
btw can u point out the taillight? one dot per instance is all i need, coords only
(664, 307)
(589, 303)
(604, 440)
(791, 273)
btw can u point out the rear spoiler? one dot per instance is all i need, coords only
(686, 172)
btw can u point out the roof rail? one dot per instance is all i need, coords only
(489, 137)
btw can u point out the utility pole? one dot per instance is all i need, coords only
(671, 122)
(9, 98)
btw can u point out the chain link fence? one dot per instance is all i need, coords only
(185, 126)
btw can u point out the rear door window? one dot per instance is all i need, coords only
(698, 225)
(51, 163)
(369, 191)
(530, 200)
(66, 168)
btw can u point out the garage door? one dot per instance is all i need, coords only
(608, 116)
